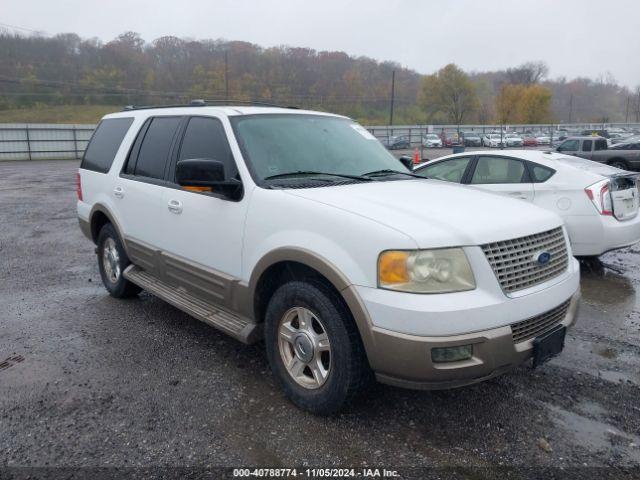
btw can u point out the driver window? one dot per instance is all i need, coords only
(204, 137)
(568, 146)
(450, 170)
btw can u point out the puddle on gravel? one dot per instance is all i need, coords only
(595, 435)
(613, 298)
(610, 289)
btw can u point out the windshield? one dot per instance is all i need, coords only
(280, 144)
(433, 136)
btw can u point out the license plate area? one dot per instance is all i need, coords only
(624, 194)
(548, 345)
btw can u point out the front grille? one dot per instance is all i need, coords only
(514, 264)
(539, 324)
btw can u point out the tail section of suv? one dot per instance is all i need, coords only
(299, 229)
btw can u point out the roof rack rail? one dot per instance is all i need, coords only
(240, 102)
(199, 102)
(147, 107)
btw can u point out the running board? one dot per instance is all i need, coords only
(238, 327)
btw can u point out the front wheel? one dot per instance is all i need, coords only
(314, 347)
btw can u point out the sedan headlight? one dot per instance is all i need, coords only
(425, 271)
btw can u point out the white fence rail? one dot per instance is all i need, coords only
(21, 141)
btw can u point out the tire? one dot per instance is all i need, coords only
(308, 326)
(112, 261)
(621, 164)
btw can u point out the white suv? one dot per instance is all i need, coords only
(299, 228)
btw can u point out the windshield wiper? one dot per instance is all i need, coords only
(387, 171)
(308, 172)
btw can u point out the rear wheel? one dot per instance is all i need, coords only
(314, 347)
(621, 164)
(112, 261)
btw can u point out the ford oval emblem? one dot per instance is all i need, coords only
(542, 257)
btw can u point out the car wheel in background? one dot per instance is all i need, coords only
(621, 164)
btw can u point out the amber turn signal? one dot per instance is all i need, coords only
(392, 267)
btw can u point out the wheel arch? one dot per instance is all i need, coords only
(617, 159)
(282, 264)
(98, 217)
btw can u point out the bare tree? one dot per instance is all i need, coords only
(527, 73)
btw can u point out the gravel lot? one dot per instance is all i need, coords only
(91, 381)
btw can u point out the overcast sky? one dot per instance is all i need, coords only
(574, 37)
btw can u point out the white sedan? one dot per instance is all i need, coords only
(598, 203)
(543, 139)
(513, 140)
(493, 140)
(431, 140)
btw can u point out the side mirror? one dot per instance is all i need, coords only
(407, 162)
(206, 172)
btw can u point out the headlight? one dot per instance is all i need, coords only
(425, 271)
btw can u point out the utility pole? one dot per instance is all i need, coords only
(226, 76)
(627, 116)
(570, 107)
(393, 94)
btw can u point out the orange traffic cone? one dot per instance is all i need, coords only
(416, 157)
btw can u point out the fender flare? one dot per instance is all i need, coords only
(331, 272)
(98, 207)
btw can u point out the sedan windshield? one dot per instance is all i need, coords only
(290, 145)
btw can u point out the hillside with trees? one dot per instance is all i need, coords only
(40, 72)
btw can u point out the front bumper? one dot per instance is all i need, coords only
(406, 359)
(405, 328)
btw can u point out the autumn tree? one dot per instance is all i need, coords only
(448, 93)
(523, 104)
(507, 103)
(534, 106)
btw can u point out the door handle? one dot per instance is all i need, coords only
(118, 192)
(518, 195)
(175, 206)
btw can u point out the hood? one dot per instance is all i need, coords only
(435, 213)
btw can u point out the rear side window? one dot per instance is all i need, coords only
(205, 138)
(498, 170)
(154, 151)
(541, 174)
(586, 145)
(105, 143)
(601, 145)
